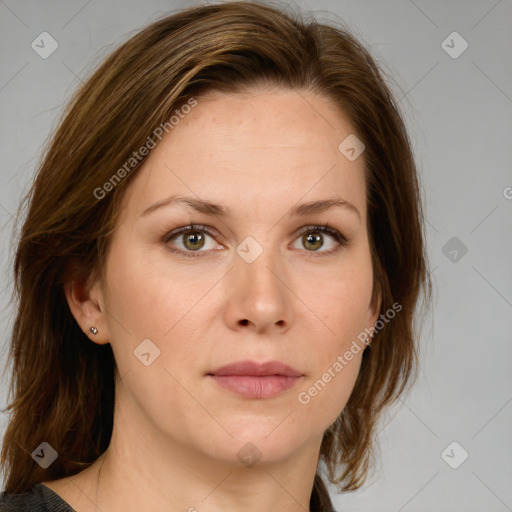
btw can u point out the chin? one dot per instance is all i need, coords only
(258, 445)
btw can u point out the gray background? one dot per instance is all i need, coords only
(459, 113)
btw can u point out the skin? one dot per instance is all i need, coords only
(176, 433)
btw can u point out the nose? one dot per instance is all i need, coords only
(258, 297)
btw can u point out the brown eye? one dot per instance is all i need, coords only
(312, 241)
(313, 238)
(193, 240)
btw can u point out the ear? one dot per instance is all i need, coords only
(87, 306)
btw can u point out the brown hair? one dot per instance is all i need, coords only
(62, 383)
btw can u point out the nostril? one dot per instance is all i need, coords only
(244, 322)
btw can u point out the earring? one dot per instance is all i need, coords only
(93, 330)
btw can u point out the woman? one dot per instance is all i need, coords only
(217, 275)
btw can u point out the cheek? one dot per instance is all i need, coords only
(322, 399)
(144, 304)
(343, 306)
(150, 302)
(144, 301)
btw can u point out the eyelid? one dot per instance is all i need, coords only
(323, 228)
(192, 227)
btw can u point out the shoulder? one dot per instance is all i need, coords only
(38, 499)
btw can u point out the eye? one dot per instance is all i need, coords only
(312, 238)
(192, 238)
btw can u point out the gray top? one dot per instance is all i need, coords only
(42, 499)
(39, 499)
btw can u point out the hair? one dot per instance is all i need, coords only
(62, 384)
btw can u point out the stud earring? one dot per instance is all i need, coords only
(93, 330)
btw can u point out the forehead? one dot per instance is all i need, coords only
(257, 148)
(278, 121)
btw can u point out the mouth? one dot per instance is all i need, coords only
(254, 380)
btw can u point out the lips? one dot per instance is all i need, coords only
(254, 380)
(255, 369)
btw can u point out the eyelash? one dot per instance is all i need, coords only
(325, 228)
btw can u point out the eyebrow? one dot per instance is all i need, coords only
(219, 210)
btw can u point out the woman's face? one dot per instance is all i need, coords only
(259, 284)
